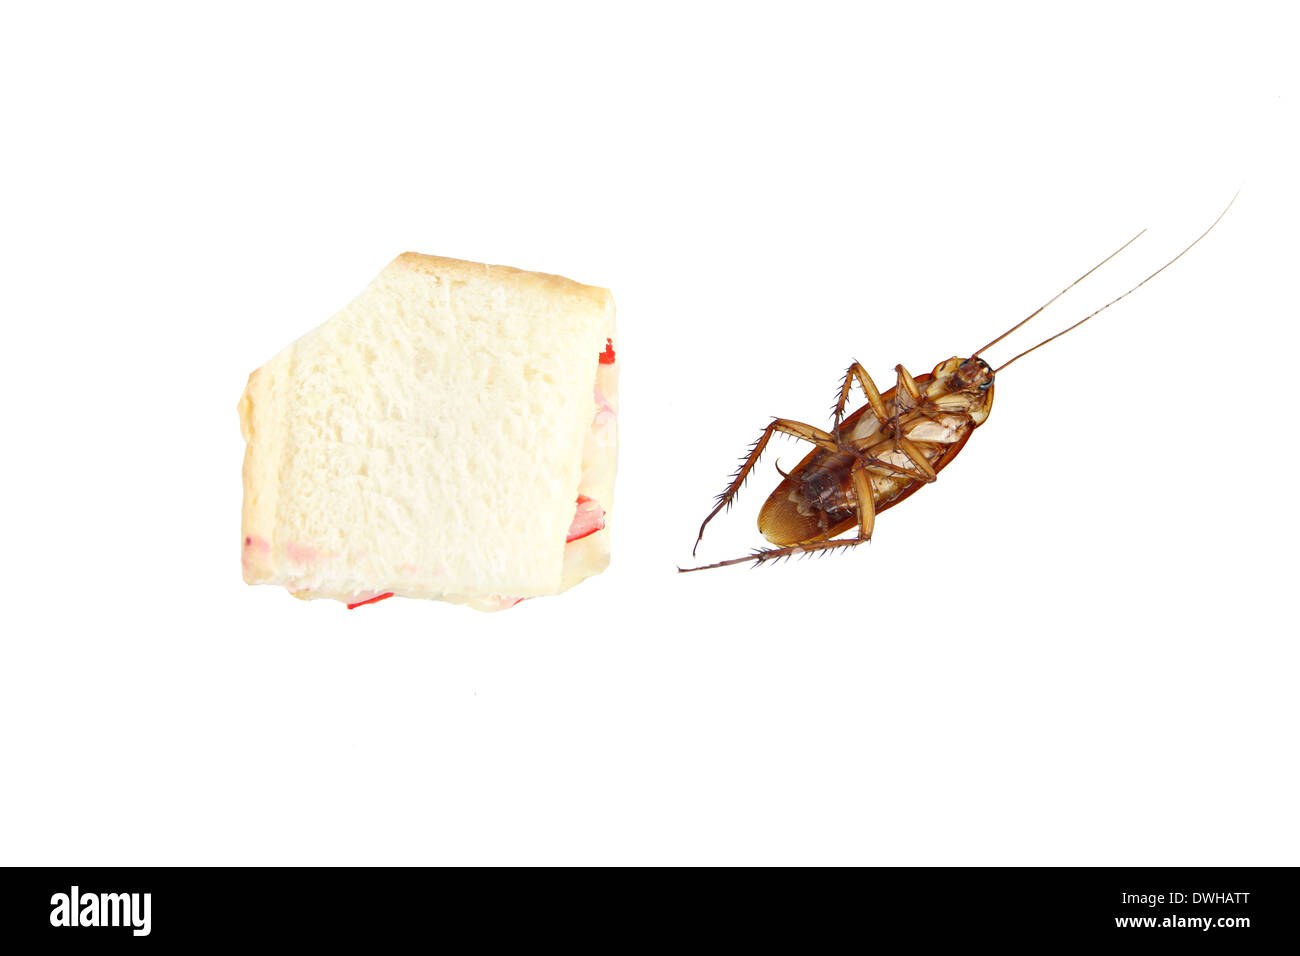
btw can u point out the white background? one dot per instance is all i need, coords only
(1078, 648)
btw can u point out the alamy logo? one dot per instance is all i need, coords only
(101, 909)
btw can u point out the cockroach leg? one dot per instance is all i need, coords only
(842, 400)
(798, 429)
(866, 501)
(808, 433)
(878, 466)
(939, 414)
(868, 386)
(889, 470)
(908, 448)
(776, 554)
(907, 395)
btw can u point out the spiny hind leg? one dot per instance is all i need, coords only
(784, 425)
(866, 523)
(775, 554)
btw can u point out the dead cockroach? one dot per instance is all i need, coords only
(885, 451)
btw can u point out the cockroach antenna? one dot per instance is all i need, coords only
(1112, 301)
(1058, 295)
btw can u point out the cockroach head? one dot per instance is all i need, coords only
(974, 374)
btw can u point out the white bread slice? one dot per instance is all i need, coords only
(432, 438)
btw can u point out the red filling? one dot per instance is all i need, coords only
(370, 600)
(607, 356)
(587, 519)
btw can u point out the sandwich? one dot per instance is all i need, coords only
(450, 435)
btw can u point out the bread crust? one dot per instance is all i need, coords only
(464, 270)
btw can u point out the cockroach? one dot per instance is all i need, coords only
(887, 450)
